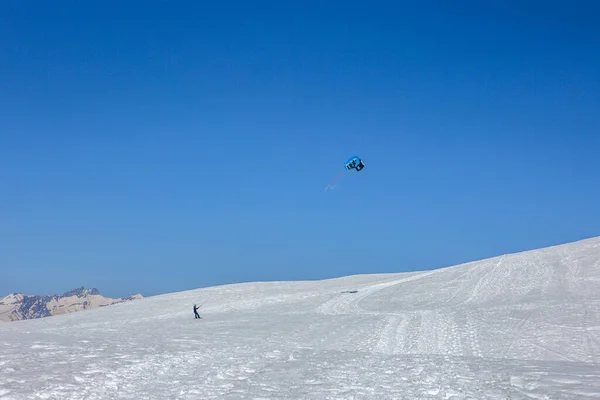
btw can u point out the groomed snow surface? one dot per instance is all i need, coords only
(520, 326)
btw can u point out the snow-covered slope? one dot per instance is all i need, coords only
(521, 326)
(17, 306)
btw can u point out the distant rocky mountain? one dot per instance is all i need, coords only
(17, 306)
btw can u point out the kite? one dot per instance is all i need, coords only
(353, 163)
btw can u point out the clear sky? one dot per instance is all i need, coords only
(148, 147)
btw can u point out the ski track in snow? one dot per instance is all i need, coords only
(522, 326)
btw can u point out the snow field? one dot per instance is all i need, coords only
(520, 326)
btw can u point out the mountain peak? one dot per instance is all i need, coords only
(82, 292)
(17, 306)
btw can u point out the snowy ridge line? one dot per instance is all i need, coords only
(348, 303)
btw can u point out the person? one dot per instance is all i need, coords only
(196, 315)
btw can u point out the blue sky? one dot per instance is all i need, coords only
(152, 148)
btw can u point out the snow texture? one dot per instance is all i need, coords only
(520, 326)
